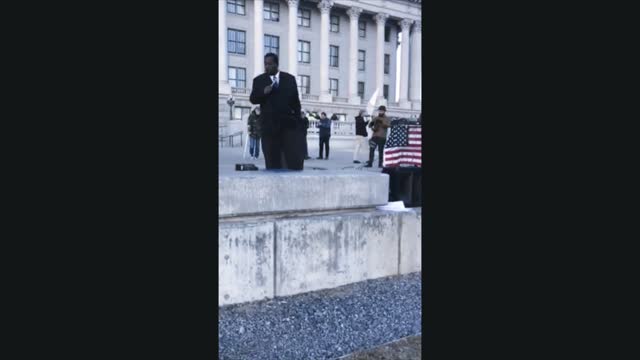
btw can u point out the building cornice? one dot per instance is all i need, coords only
(396, 9)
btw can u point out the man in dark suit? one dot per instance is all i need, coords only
(282, 128)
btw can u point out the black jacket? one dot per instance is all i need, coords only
(279, 109)
(361, 126)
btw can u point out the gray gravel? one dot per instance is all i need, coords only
(324, 324)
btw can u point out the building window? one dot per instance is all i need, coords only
(271, 44)
(361, 55)
(236, 7)
(304, 51)
(237, 77)
(271, 11)
(361, 89)
(387, 34)
(239, 112)
(333, 56)
(333, 87)
(387, 63)
(304, 17)
(362, 29)
(236, 42)
(385, 91)
(304, 84)
(335, 23)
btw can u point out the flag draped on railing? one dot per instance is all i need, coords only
(404, 146)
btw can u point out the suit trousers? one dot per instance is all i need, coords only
(284, 149)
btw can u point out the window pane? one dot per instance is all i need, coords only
(232, 47)
(241, 36)
(232, 73)
(232, 35)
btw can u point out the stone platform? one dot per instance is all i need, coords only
(287, 233)
(265, 192)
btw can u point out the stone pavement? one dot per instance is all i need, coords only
(409, 348)
(340, 158)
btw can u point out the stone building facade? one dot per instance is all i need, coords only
(341, 52)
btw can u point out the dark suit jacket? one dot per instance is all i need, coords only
(281, 108)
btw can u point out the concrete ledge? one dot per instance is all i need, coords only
(266, 257)
(411, 242)
(320, 252)
(263, 192)
(245, 262)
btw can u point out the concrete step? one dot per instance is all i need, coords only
(263, 192)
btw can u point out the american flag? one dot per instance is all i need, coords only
(404, 146)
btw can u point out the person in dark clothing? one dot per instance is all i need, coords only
(325, 134)
(380, 124)
(254, 133)
(361, 135)
(282, 130)
(305, 122)
(334, 117)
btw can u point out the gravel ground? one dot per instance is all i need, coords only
(409, 348)
(325, 324)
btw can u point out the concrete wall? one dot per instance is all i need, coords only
(266, 257)
(320, 252)
(245, 261)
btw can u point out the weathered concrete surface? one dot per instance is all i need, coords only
(326, 251)
(411, 242)
(245, 261)
(252, 192)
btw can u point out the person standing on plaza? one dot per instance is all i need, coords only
(305, 122)
(254, 133)
(282, 130)
(325, 134)
(334, 117)
(361, 135)
(380, 124)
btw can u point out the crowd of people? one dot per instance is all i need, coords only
(379, 126)
(279, 124)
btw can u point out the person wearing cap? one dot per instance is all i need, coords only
(361, 135)
(379, 124)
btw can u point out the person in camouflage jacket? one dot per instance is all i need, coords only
(254, 133)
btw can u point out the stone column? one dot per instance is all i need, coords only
(258, 38)
(405, 24)
(223, 71)
(292, 51)
(325, 9)
(354, 15)
(381, 19)
(415, 87)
